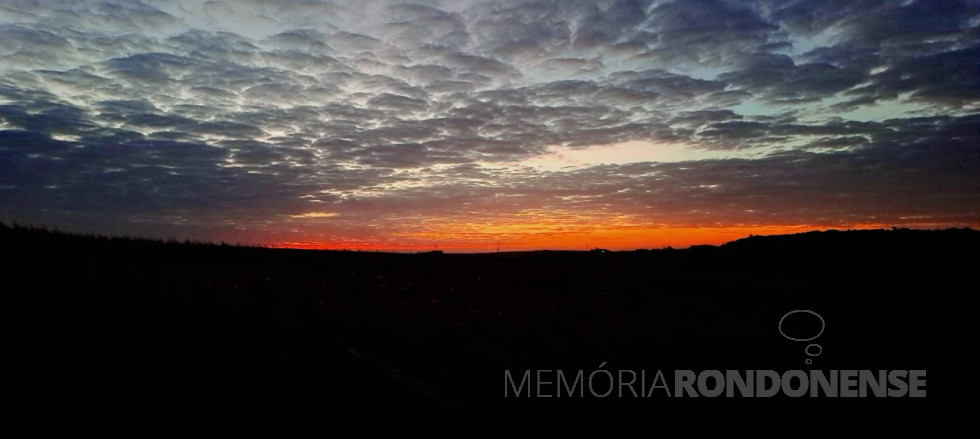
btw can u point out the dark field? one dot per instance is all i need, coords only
(138, 338)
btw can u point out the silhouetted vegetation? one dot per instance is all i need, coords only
(100, 333)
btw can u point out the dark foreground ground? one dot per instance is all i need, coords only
(139, 338)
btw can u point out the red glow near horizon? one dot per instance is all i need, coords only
(624, 238)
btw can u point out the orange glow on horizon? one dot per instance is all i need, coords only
(523, 237)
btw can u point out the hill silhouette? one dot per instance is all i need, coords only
(132, 336)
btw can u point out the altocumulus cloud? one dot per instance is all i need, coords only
(386, 121)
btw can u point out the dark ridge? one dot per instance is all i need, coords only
(895, 239)
(136, 337)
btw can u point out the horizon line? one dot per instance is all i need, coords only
(413, 249)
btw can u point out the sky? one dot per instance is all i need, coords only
(472, 125)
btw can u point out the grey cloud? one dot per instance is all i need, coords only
(698, 118)
(414, 25)
(735, 130)
(947, 78)
(210, 93)
(878, 21)
(210, 109)
(47, 117)
(388, 101)
(605, 24)
(777, 78)
(126, 15)
(228, 128)
(151, 67)
(848, 142)
(303, 40)
(426, 74)
(465, 63)
(669, 85)
(18, 94)
(30, 47)
(351, 42)
(274, 93)
(705, 32)
(77, 79)
(788, 188)
(571, 66)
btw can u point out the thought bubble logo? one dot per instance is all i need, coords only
(806, 319)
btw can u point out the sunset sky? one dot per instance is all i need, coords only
(458, 125)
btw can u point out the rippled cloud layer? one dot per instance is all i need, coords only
(382, 124)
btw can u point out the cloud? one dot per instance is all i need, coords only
(153, 115)
(778, 79)
(315, 215)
